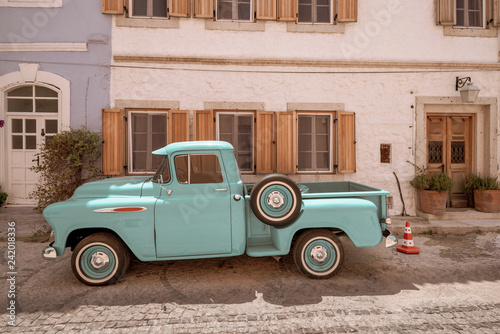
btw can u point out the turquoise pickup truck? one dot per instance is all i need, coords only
(196, 206)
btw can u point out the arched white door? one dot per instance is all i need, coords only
(31, 120)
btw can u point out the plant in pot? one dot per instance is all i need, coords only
(484, 191)
(433, 190)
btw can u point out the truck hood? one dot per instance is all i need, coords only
(113, 187)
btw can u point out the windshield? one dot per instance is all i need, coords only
(163, 172)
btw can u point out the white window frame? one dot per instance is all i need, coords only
(149, 14)
(330, 170)
(235, 8)
(130, 138)
(466, 18)
(32, 3)
(332, 5)
(217, 136)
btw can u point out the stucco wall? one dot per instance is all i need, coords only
(414, 54)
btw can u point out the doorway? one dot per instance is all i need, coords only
(450, 150)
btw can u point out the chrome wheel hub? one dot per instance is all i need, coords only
(319, 254)
(99, 260)
(275, 199)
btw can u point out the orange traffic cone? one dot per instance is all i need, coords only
(408, 246)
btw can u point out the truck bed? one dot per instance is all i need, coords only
(332, 189)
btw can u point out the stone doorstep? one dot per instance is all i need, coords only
(460, 214)
(455, 221)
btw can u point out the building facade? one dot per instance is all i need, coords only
(319, 90)
(54, 74)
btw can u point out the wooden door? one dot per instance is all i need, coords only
(449, 150)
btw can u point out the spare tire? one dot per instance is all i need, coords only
(276, 200)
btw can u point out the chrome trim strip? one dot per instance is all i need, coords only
(122, 209)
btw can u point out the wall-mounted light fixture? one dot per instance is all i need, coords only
(468, 93)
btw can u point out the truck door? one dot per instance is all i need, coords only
(192, 214)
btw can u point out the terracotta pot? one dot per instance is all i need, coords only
(487, 200)
(433, 202)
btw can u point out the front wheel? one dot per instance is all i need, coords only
(100, 259)
(318, 254)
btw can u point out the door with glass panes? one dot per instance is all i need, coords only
(31, 119)
(450, 150)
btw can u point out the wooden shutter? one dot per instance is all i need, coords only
(203, 125)
(112, 6)
(492, 13)
(203, 8)
(112, 148)
(178, 126)
(347, 10)
(286, 150)
(346, 142)
(287, 10)
(266, 9)
(446, 12)
(179, 8)
(265, 142)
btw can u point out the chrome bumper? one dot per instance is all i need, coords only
(49, 253)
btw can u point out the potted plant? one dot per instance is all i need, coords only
(485, 192)
(433, 190)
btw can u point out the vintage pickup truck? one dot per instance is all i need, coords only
(196, 206)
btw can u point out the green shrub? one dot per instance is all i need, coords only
(475, 181)
(436, 182)
(67, 161)
(3, 197)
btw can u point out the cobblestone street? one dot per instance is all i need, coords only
(453, 286)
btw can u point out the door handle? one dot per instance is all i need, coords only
(37, 160)
(221, 189)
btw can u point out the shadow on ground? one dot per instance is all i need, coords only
(51, 286)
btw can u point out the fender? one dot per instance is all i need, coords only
(357, 217)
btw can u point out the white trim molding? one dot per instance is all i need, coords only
(42, 47)
(31, 3)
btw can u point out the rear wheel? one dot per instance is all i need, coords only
(100, 259)
(318, 254)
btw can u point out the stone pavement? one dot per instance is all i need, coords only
(481, 318)
(31, 226)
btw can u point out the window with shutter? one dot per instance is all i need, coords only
(147, 132)
(234, 10)
(237, 128)
(112, 132)
(469, 13)
(203, 8)
(314, 142)
(315, 11)
(346, 126)
(112, 6)
(149, 8)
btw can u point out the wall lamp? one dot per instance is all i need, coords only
(468, 93)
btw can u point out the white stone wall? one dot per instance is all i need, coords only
(384, 98)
